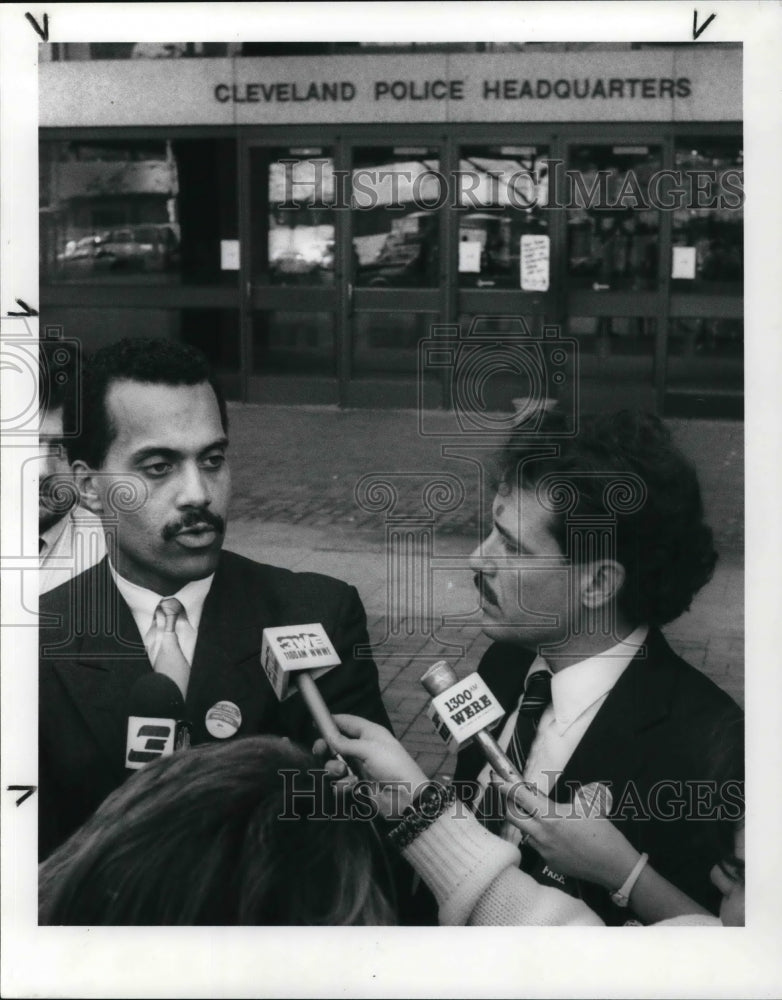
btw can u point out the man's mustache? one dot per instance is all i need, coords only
(192, 519)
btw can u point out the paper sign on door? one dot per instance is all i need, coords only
(470, 257)
(683, 266)
(534, 257)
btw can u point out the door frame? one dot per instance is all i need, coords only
(259, 296)
(554, 307)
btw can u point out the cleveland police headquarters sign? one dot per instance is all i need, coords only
(647, 85)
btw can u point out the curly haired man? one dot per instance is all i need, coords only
(597, 541)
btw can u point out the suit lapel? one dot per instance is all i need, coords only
(105, 658)
(226, 662)
(612, 749)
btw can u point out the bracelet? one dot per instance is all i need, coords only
(430, 802)
(622, 895)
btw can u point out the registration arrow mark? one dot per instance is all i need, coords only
(696, 31)
(43, 32)
(27, 789)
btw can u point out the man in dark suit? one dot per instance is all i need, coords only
(598, 540)
(151, 462)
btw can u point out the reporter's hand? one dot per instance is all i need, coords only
(570, 836)
(378, 757)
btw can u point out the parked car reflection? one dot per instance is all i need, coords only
(300, 256)
(404, 257)
(141, 248)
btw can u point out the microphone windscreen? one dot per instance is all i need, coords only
(439, 677)
(156, 696)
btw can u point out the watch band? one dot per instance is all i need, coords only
(622, 895)
(430, 802)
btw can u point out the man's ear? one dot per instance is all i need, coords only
(86, 483)
(602, 583)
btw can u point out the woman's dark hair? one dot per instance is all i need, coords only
(216, 835)
(152, 361)
(661, 539)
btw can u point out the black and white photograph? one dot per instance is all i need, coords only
(403, 420)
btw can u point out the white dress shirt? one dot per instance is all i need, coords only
(143, 602)
(577, 694)
(71, 545)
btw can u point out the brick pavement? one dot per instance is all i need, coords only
(301, 465)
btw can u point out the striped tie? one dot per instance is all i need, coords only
(537, 696)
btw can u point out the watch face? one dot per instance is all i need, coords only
(430, 799)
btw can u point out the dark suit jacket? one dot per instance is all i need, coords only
(656, 735)
(91, 654)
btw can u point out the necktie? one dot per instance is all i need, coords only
(537, 695)
(170, 660)
(41, 545)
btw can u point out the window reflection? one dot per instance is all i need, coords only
(716, 232)
(395, 232)
(301, 217)
(612, 237)
(140, 211)
(503, 193)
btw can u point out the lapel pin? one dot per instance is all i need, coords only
(223, 720)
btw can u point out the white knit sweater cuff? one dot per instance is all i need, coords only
(458, 859)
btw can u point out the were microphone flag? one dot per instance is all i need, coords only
(463, 710)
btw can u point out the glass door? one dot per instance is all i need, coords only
(503, 268)
(291, 283)
(616, 286)
(396, 267)
(705, 351)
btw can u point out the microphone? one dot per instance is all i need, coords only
(463, 710)
(156, 725)
(292, 656)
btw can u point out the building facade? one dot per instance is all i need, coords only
(312, 219)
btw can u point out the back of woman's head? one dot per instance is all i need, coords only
(241, 833)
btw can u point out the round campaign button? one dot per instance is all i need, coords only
(223, 720)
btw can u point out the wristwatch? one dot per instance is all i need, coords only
(430, 802)
(432, 799)
(622, 895)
